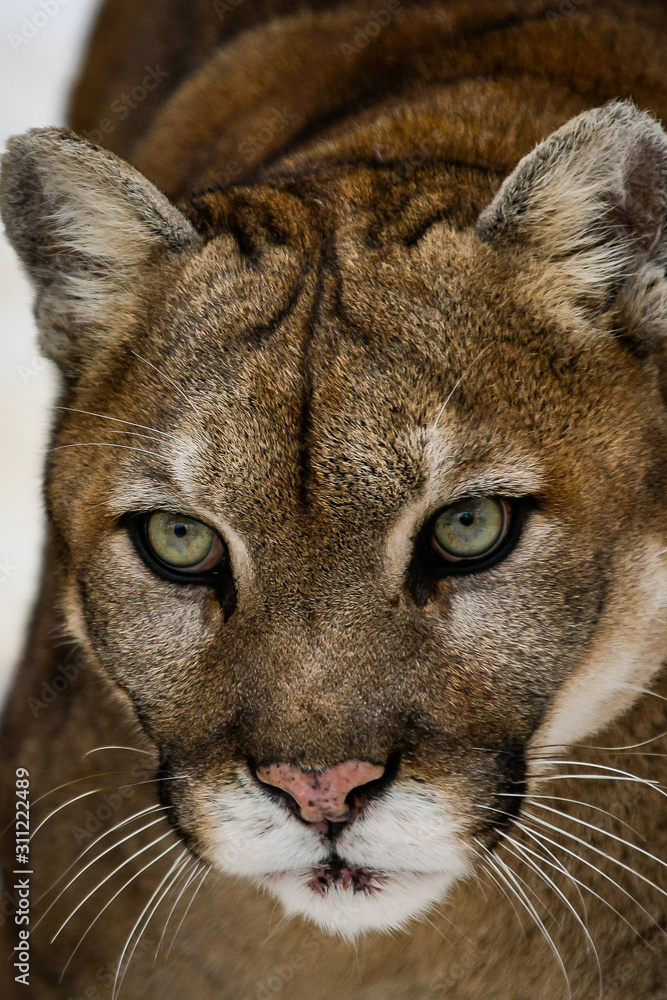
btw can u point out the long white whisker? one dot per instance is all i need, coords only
(536, 895)
(458, 383)
(606, 833)
(598, 871)
(207, 871)
(180, 862)
(130, 423)
(499, 885)
(536, 838)
(631, 746)
(74, 781)
(70, 802)
(189, 877)
(561, 867)
(123, 840)
(105, 444)
(577, 802)
(591, 847)
(600, 767)
(107, 833)
(166, 377)
(561, 847)
(523, 899)
(134, 749)
(602, 777)
(124, 886)
(99, 885)
(521, 851)
(103, 788)
(642, 690)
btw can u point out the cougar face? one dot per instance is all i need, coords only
(365, 529)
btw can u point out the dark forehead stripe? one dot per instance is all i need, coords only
(318, 315)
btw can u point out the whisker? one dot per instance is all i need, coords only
(499, 885)
(98, 774)
(578, 802)
(190, 875)
(134, 749)
(606, 833)
(66, 784)
(536, 895)
(71, 802)
(600, 767)
(631, 746)
(166, 377)
(107, 833)
(520, 854)
(523, 899)
(654, 785)
(115, 896)
(105, 444)
(457, 384)
(122, 865)
(89, 864)
(561, 847)
(130, 423)
(591, 847)
(559, 867)
(535, 836)
(104, 788)
(179, 863)
(642, 690)
(440, 932)
(598, 871)
(207, 871)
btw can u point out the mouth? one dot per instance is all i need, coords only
(348, 900)
(337, 875)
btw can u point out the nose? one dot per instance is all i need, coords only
(320, 795)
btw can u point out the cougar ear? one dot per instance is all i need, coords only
(84, 224)
(586, 212)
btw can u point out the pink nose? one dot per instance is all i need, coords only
(320, 795)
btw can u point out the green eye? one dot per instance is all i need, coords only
(471, 529)
(182, 543)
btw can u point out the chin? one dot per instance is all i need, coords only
(352, 901)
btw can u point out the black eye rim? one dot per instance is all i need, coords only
(136, 526)
(427, 566)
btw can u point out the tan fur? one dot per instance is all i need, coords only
(337, 289)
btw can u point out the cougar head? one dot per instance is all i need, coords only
(357, 521)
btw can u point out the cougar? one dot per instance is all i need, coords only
(344, 679)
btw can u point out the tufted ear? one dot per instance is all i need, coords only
(587, 210)
(84, 224)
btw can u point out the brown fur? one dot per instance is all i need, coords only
(344, 300)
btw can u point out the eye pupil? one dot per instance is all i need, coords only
(467, 519)
(180, 530)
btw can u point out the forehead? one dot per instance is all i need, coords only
(345, 381)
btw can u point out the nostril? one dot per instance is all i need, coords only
(324, 796)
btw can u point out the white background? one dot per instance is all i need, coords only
(35, 76)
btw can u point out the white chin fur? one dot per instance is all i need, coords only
(404, 895)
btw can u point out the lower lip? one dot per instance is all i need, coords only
(324, 879)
